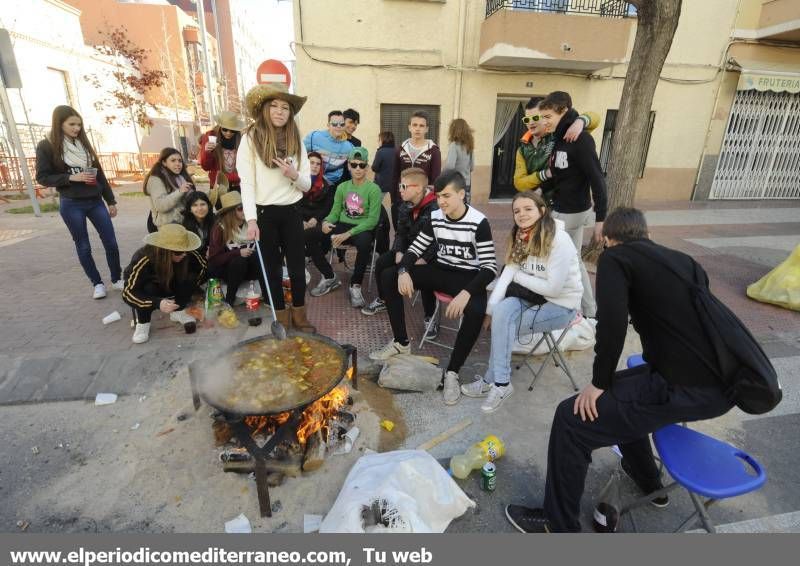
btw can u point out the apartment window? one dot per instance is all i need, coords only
(57, 86)
(608, 138)
(395, 117)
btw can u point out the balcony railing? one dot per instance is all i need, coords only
(603, 8)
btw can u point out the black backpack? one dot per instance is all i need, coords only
(743, 368)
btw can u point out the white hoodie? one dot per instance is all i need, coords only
(557, 277)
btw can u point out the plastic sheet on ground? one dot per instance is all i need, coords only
(781, 286)
(404, 491)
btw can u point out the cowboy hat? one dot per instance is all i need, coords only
(230, 121)
(230, 200)
(174, 237)
(221, 186)
(261, 93)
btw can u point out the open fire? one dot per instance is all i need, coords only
(315, 417)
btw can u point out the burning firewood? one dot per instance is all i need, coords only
(290, 467)
(315, 452)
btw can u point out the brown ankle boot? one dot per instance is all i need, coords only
(300, 321)
(283, 317)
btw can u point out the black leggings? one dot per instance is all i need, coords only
(236, 271)
(281, 228)
(362, 241)
(431, 277)
(386, 261)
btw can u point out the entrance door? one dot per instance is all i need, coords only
(760, 156)
(509, 116)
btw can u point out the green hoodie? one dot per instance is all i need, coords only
(359, 205)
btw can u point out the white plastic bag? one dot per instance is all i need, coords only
(579, 337)
(404, 491)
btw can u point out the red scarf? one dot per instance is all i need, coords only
(317, 187)
(425, 200)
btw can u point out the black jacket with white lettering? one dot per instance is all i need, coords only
(575, 169)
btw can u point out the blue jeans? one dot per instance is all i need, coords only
(513, 316)
(75, 212)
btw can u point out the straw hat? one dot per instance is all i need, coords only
(221, 186)
(260, 93)
(230, 200)
(230, 121)
(174, 237)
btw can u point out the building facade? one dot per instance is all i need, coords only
(481, 60)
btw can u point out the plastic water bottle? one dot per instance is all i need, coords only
(251, 302)
(605, 518)
(488, 450)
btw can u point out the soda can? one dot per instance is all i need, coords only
(488, 477)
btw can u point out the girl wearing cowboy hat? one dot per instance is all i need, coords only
(275, 172)
(231, 256)
(163, 275)
(218, 148)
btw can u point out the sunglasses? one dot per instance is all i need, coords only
(226, 130)
(239, 209)
(404, 186)
(337, 124)
(355, 165)
(528, 119)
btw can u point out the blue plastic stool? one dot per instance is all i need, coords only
(703, 465)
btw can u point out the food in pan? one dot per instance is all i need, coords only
(270, 374)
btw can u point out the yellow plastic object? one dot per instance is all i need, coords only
(781, 286)
(488, 450)
(227, 318)
(387, 424)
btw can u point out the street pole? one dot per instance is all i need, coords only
(223, 78)
(201, 20)
(14, 135)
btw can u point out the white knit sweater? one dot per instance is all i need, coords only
(262, 185)
(556, 277)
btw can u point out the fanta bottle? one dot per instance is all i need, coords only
(488, 450)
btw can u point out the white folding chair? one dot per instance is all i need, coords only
(441, 299)
(553, 352)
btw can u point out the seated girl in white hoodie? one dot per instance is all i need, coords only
(541, 258)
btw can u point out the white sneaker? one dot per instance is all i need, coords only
(391, 349)
(496, 397)
(99, 291)
(182, 317)
(478, 388)
(356, 297)
(452, 391)
(118, 285)
(142, 333)
(325, 286)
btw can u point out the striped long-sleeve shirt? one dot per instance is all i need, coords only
(462, 245)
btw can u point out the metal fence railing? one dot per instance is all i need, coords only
(603, 8)
(114, 165)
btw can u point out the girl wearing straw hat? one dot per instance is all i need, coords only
(231, 256)
(163, 275)
(275, 172)
(218, 148)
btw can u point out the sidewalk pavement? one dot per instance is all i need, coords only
(55, 349)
